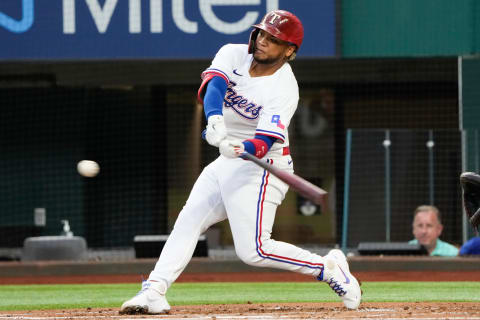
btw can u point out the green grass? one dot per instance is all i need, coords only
(33, 297)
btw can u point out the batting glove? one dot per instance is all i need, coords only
(216, 130)
(231, 148)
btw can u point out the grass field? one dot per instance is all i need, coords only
(36, 297)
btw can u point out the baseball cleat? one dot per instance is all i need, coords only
(150, 300)
(336, 274)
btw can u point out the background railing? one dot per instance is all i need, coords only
(391, 172)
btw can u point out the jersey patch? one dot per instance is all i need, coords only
(239, 104)
(276, 119)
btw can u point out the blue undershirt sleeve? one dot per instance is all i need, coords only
(214, 95)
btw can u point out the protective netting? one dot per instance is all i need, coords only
(140, 121)
(392, 172)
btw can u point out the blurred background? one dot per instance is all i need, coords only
(387, 120)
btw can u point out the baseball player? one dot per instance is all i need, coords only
(470, 183)
(249, 95)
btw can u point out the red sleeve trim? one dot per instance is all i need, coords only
(207, 76)
(203, 87)
(216, 72)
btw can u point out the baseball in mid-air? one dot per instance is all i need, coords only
(88, 168)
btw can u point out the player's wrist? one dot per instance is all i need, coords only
(214, 113)
(214, 119)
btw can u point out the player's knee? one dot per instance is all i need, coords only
(254, 255)
(248, 255)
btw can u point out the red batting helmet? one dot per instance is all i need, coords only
(281, 24)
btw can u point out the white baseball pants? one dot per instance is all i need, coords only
(246, 195)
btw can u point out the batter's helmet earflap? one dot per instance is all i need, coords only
(251, 40)
(281, 24)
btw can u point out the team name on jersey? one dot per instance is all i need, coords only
(239, 104)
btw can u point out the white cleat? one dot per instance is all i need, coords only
(337, 275)
(150, 300)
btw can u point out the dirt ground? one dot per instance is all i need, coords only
(414, 310)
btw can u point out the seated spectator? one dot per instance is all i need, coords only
(427, 228)
(470, 247)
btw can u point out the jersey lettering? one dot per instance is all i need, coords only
(239, 104)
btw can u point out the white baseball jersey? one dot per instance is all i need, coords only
(239, 190)
(255, 105)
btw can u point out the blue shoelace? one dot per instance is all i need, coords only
(336, 287)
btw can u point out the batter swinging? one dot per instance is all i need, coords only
(249, 94)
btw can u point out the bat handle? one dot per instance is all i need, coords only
(245, 155)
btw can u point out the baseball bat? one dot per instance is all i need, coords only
(298, 184)
(295, 182)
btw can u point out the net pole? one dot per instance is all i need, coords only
(465, 141)
(476, 150)
(464, 168)
(387, 144)
(431, 178)
(346, 190)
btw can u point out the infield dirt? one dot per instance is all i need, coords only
(414, 310)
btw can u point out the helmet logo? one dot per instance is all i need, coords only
(274, 18)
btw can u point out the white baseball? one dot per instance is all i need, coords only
(88, 168)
